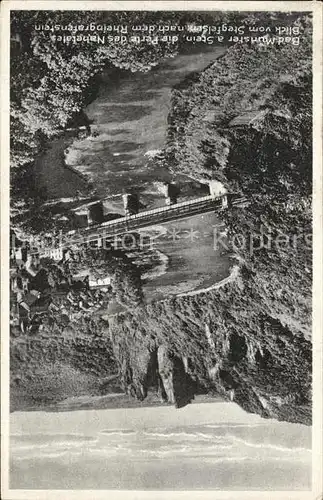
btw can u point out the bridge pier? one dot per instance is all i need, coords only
(170, 192)
(130, 203)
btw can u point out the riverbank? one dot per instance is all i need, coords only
(111, 401)
(56, 178)
(129, 120)
(127, 113)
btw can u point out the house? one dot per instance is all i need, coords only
(35, 261)
(19, 282)
(24, 310)
(96, 213)
(217, 188)
(14, 308)
(18, 254)
(99, 282)
(14, 282)
(113, 207)
(24, 324)
(63, 219)
(29, 299)
(52, 253)
(25, 282)
(53, 307)
(92, 213)
(29, 266)
(24, 253)
(15, 326)
(81, 217)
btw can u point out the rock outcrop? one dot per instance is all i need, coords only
(166, 369)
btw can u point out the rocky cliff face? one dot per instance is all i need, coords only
(177, 386)
(156, 372)
(250, 340)
(219, 343)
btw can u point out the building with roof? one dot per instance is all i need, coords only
(52, 253)
(40, 305)
(90, 213)
(99, 282)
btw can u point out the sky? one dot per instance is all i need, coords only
(201, 446)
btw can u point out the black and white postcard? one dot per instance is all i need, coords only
(161, 250)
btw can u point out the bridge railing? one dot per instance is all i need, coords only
(122, 225)
(153, 211)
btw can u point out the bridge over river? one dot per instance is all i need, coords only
(131, 223)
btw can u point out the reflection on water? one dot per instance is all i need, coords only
(129, 119)
(193, 260)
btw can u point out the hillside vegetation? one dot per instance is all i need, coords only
(251, 339)
(50, 81)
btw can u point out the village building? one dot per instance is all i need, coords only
(113, 207)
(99, 282)
(14, 287)
(15, 327)
(29, 299)
(17, 255)
(81, 217)
(25, 282)
(24, 311)
(52, 253)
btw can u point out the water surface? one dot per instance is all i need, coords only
(201, 446)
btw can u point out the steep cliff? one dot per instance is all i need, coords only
(232, 347)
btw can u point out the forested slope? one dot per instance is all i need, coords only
(246, 121)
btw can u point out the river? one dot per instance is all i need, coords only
(128, 120)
